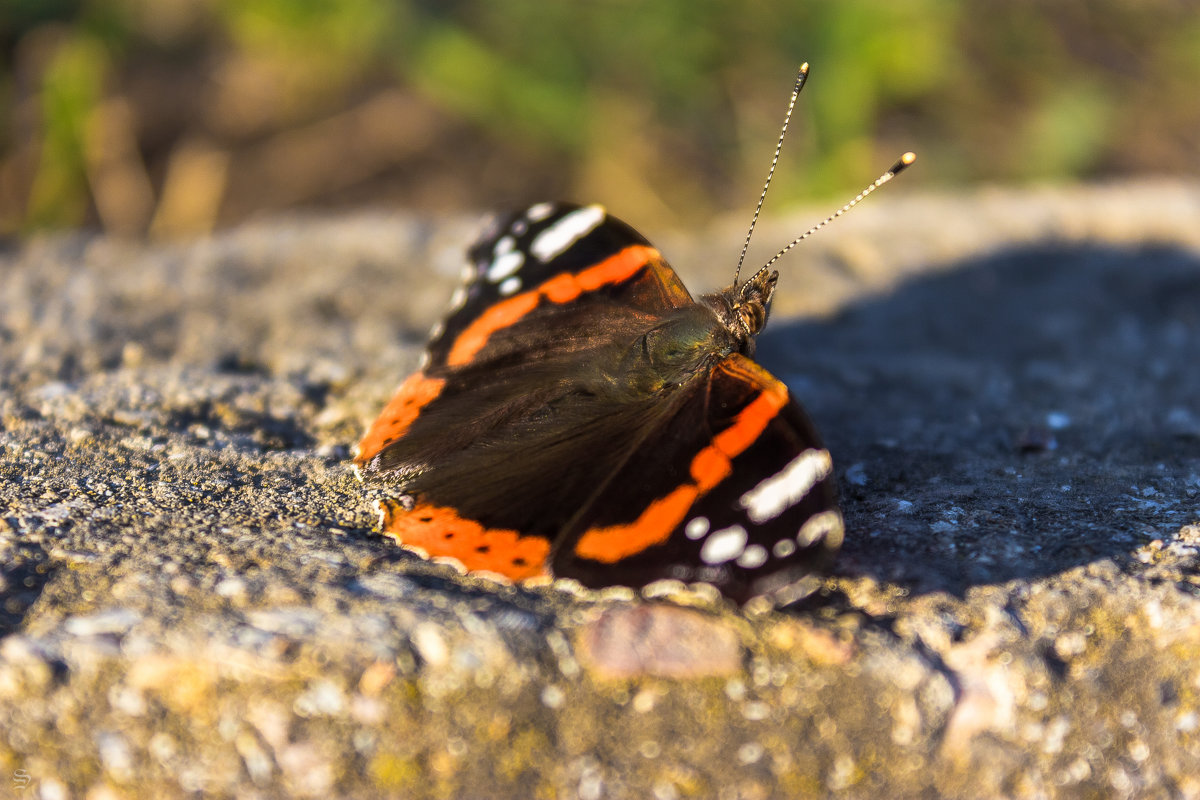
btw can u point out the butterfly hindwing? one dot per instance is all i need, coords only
(732, 489)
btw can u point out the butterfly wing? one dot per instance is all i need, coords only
(732, 488)
(541, 288)
(539, 262)
(494, 444)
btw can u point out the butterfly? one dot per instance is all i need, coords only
(580, 415)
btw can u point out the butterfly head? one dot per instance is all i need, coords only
(753, 301)
(742, 310)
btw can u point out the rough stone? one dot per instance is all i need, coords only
(193, 600)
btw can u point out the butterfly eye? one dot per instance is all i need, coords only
(754, 315)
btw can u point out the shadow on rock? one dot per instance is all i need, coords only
(1011, 417)
(21, 585)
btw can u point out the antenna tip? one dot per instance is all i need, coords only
(905, 160)
(801, 76)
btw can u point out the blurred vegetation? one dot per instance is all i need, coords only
(175, 116)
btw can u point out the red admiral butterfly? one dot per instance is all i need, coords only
(579, 415)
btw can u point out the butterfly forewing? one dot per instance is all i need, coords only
(532, 264)
(543, 290)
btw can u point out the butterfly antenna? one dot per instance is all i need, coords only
(892, 172)
(800, 78)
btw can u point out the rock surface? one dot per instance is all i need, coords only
(193, 602)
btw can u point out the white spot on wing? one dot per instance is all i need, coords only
(827, 525)
(554, 241)
(539, 212)
(724, 545)
(753, 556)
(510, 285)
(458, 298)
(505, 265)
(504, 244)
(696, 527)
(783, 548)
(787, 487)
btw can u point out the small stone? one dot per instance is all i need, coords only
(117, 620)
(430, 645)
(662, 640)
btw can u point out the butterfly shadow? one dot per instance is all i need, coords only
(1011, 416)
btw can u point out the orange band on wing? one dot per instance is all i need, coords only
(562, 288)
(415, 393)
(440, 531)
(751, 422)
(709, 467)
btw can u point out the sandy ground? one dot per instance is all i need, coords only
(193, 600)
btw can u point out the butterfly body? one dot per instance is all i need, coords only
(580, 415)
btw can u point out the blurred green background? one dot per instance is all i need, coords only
(168, 117)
